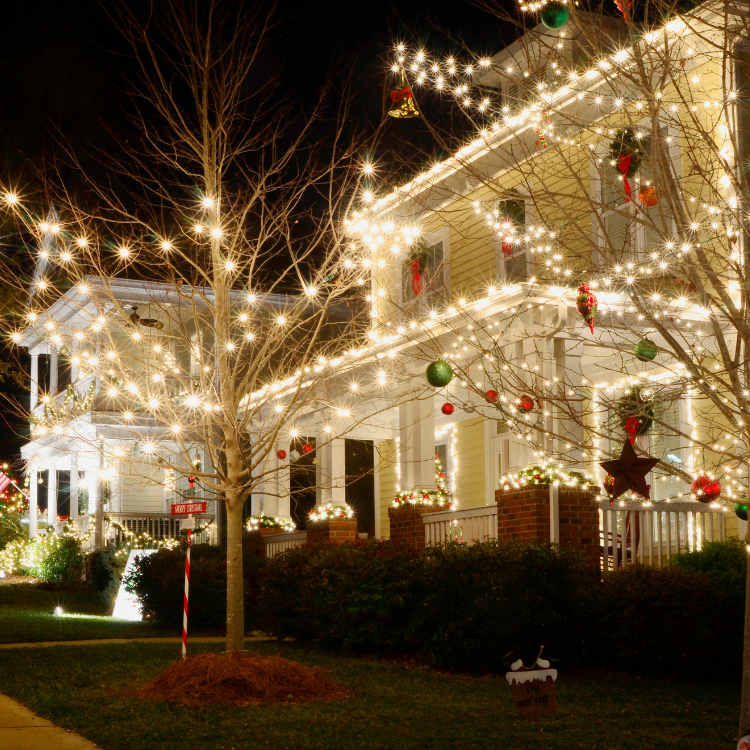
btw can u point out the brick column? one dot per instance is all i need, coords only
(525, 514)
(339, 530)
(406, 523)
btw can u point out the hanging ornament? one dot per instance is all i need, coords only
(587, 303)
(740, 510)
(706, 488)
(526, 403)
(492, 395)
(555, 15)
(447, 409)
(402, 99)
(294, 456)
(629, 473)
(647, 196)
(306, 448)
(281, 454)
(439, 373)
(645, 350)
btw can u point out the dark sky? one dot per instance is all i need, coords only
(63, 65)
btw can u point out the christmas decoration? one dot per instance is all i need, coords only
(555, 15)
(526, 403)
(439, 373)
(492, 395)
(281, 454)
(447, 409)
(645, 350)
(402, 101)
(425, 496)
(706, 488)
(647, 196)
(306, 448)
(740, 510)
(330, 512)
(635, 411)
(629, 472)
(586, 303)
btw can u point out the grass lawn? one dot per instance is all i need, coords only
(85, 688)
(27, 614)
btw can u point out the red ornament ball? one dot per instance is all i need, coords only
(447, 409)
(706, 488)
(492, 395)
(526, 403)
(306, 448)
(281, 454)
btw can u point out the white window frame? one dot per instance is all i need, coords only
(425, 300)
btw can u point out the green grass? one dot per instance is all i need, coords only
(27, 614)
(85, 688)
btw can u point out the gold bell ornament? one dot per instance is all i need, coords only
(402, 101)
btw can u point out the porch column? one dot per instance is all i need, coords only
(51, 494)
(34, 385)
(33, 501)
(53, 372)
(73, 485)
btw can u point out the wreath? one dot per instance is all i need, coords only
(635, 410)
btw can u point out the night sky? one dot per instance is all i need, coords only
(64, 66)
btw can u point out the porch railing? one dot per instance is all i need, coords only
(277, 543)
(631, 533)
(465, 526)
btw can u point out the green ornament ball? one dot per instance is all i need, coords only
(554, 15)
(645, 350)
(439, 373)
(740, 511)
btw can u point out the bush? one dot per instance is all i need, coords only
(159, 583)
(479, 602)
(358, 595)
(54, 558)
(667, 622)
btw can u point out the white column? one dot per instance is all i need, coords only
(33, 501)
(73, 485)
(51, 494)
(53, 372)
(34, 385)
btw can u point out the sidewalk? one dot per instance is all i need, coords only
(20, 729)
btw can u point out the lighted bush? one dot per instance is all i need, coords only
(55, 558)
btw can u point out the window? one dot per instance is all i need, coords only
(423, 275)
(511, 251)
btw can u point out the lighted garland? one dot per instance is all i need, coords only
(544, 475)
(330, 512)
(254, 523)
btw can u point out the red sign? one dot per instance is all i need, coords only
(183, 509)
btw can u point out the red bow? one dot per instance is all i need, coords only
(398, 94)
(624, 166)
(416, 276)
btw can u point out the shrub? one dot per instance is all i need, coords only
(667, 621)
(479, 602)
(159, 583)
(55, 558)
(358, 594)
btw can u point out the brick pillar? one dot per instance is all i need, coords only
(525, 514)
(252, 541)
(338, 530)
(406, 523)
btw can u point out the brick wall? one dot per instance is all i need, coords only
(525, 514)
(406, 523)
(339, 530)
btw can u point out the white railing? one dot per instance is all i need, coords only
(465, 526)
(277, 543)
(632, 533)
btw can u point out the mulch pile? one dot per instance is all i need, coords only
(241, 678)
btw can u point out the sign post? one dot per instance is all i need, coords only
(180, 509)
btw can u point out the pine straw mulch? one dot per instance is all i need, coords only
(241, 678)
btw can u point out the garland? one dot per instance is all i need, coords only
(544, 475)
(330, 513)
(254, 523)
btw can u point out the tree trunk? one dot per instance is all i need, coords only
(235, 588)
(745, 703)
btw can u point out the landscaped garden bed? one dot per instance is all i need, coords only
(89, 689)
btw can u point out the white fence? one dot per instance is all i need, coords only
(465, 526)
(277, 543)
(631, 533)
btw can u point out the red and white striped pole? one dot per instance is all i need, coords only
(187, 592)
